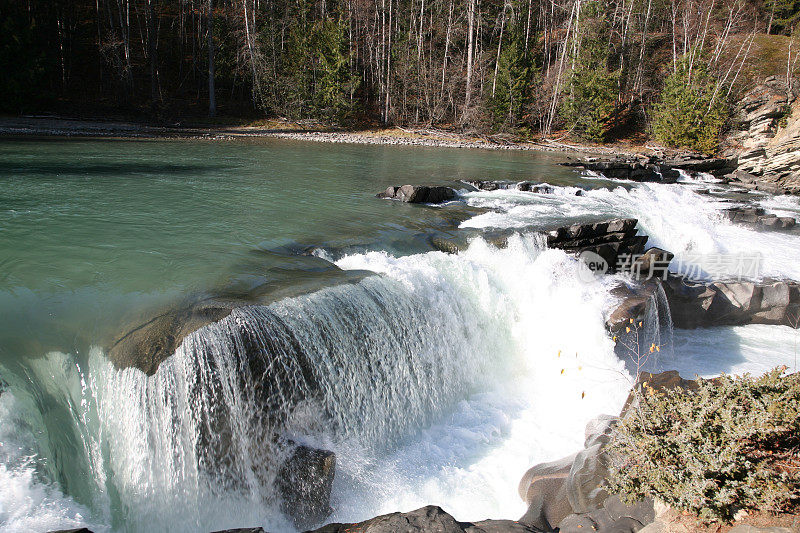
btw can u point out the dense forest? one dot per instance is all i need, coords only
(592, 68)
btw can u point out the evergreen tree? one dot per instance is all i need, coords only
(514, 86)
(334, 84)
(784, 15)
(692, 110)
(591, 97)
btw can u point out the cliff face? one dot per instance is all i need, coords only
(766, 137)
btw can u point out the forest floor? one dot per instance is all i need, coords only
(48, 126)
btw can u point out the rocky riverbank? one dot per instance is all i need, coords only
(427, 137)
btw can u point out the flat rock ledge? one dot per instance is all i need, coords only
(699, 304)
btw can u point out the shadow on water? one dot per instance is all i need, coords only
(9, 168)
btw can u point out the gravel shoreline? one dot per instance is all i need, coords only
(16, 127)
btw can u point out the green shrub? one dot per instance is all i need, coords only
(692, 110)
(731, 444)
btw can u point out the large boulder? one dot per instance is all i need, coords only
(569, 494)
(305, 481)
(544, 489)
(419, 194)
(427, 519)
(652, 264)
(634, 301)
(696, 304)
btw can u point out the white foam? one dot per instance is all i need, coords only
(675, 218)
(27, 501)
(565, 373)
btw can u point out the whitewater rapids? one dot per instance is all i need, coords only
(439, 380)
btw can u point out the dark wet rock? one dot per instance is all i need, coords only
(525, 186)
(487, 185)
(756, 217)
(610, 239)
(305, 481)
(419, 194)
(242, 530)
(696, 304)
(699, 163)
(74, 530)
(428, 519)
(644, 168)
(637, 168)
(590, 230)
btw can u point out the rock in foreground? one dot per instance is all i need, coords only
(427, 519)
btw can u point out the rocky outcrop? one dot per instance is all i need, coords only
(638, 168)
(305, 481)
(569, 495)
(610, 239)
(696, 304)
(766, 138)
(731, 303)
(525, 186)
(635, 300)
(644, 168)
(756, 217)
(146, 345)
(427, 519)
(419, 194)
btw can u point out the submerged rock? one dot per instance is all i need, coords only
(305, 481)
(419, 194)
(242, 530)
(146, 345)
(427, 519)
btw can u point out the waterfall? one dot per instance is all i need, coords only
(434, 381)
